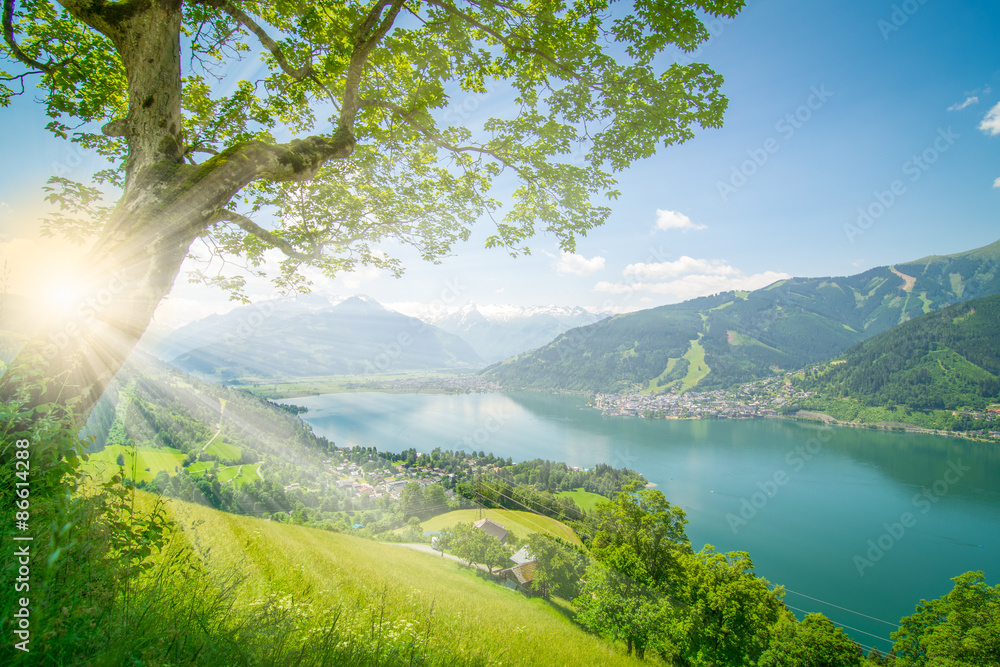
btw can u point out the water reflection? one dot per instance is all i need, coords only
(805, 500)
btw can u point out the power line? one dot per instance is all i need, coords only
(842, 625)
(527, 508)
(895, 625)
(556, 511)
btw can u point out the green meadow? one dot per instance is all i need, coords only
(585, 500)
(144, 462)
(519, 522)
(390, 599)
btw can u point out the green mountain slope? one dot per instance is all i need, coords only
(217, 445)
(747, 335)
(945, 360)
(428, 604)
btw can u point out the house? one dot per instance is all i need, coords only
(493, 528)
(522, 556)
(519, 577)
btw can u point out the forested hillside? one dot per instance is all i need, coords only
(734, 337)
(941, 361)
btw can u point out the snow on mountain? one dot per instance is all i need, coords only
(499, 331)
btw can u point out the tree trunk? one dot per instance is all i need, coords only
(166, 205)
(74, 356)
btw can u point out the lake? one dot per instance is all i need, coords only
(868, 521)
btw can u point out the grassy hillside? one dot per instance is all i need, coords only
(140, 464)
(946, 360)
(518, 522)
(400, 599)
(585, 500)
(734, 337)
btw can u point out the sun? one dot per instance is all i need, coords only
(62, 296)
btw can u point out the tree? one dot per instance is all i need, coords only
(411, 500)
(960, 629)
(726, 613)
(435, 500)
(558, 569)
(815, 642)
(616, 606)
(477, 546)
(641, 535)
(344, 134)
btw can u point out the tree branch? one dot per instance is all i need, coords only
(241, 17)
(434, 137)
(103, 17)
(369, 34)
(251, 227)
(8, 36)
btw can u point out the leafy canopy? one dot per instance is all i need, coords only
(577, 91)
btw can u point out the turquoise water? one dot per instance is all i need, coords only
(868, 521)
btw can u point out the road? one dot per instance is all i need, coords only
(222, 408)
(428, 549)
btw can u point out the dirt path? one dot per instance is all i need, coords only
(908, 281)
(428, 549)
(222, 409)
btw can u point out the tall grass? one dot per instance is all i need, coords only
(220, 589)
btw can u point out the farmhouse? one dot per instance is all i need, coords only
(492, 528)
(519, 577)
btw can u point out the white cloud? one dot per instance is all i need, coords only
(666, 220)
(695, 285)
(359, 277)
(996, 183)
(991, 122)
(682, 266)
(570, 262)
(969, 101)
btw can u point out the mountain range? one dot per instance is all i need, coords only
(333, 335)
(312, 336)
(499, 332)
(732, 337)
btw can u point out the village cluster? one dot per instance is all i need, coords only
(763, 398)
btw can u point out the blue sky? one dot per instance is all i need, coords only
(836, 109)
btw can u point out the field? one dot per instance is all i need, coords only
(102, 464)
(697, 368)
(280, 388)
(416, 601)
(224, 450)
(238, 474)
(520, 523)
(585, 500)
